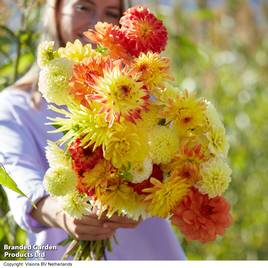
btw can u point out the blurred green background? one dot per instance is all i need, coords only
(219, 49)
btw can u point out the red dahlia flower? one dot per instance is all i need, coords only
(202, 218)
(143, 30)
(84, 159)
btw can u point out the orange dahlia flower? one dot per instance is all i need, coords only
(111, 37)
(84, 75)
(143, 30)
(201, 218)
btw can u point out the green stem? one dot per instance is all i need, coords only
(17, 60)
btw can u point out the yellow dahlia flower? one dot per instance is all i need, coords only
(98, 175)
(118, 198)
(150, 118)
(76, 204)
(185, 110)
(154, 69)
(45, 53)
(76, 51)
(163, 197)
(141, 171)
(125, 145)
(121, 95)
(163, 144)
(54, 80)
(217, 141)
(60, 180)
(215, 177)
(56, 156)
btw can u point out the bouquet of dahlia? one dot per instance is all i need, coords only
(133, 144)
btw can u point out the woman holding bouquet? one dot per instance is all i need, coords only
(24, 135)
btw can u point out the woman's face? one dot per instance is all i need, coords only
(77, 16)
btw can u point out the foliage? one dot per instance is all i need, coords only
(222, 54)
(17, 46)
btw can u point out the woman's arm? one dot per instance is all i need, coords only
(49, 213)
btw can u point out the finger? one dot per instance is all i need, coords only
(90, 220)
(113, 225)
(103, 237)
(95, 237)
(121, 220)
(85, 229)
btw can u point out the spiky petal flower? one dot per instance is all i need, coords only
(202, 218)
(216, 176)
(141, 171)
(76, 204)
(54, 80)
(96, 176)
(187, 112)
(154, 69)
(81, 122)
(125, 145)
(60, 180)
(163, 144)
(45, 53)
(164, 196)
(84, 75)
(76, 51)
(143, 30)
(111, 37)
(118, 197)
(121, 95)
(187, 162)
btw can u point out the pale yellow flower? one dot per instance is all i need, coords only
(76, 51)
(56, 156)
(163, 144)
(54, 81)
(212, 115)
(45, 53)
(217, 141)
(76, 204)
(60, 180)
(215, 177)
(141, 171)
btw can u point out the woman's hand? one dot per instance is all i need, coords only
(89, 227)
(50, 213)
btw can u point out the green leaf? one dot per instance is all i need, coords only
(9, 183)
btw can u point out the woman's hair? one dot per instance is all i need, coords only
(50, 33)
